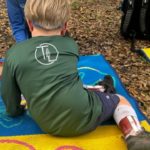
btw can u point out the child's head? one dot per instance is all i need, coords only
(47, 14)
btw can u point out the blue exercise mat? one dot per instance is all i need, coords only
(91, 69)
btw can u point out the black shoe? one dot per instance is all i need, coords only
(108, 84)
(139, 142)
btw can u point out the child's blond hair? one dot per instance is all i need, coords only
(47, 14)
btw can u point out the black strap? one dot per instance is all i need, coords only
(128, 15)
(133, 41)
(133, 48)
(143, 15)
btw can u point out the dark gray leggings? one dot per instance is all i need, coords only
(109, 104)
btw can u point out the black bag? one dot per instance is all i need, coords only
(135, 21)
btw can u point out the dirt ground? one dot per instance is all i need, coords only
(95, 24)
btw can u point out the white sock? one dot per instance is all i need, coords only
(99, 88)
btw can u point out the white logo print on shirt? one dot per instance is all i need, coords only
(46, 54)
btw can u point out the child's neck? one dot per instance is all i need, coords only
(40, 32)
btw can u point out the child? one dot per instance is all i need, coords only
(15, 9)
(44, 70)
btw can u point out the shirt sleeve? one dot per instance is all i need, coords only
(10, 92)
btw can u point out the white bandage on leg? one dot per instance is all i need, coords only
(125, 111)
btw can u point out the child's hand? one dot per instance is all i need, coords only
(24, 104)
(1, 69)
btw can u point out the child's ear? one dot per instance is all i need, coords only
(64, 29)
(65, 25)
(30, 25)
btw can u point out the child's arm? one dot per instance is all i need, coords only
(10, 92)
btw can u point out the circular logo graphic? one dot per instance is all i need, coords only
(46, 54)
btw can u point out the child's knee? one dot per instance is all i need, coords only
(123, 101)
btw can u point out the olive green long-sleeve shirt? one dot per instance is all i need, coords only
(44, 70)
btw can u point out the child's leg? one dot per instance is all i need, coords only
(126, 118)
(109, 103)
(124, 115)
(17, 21)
